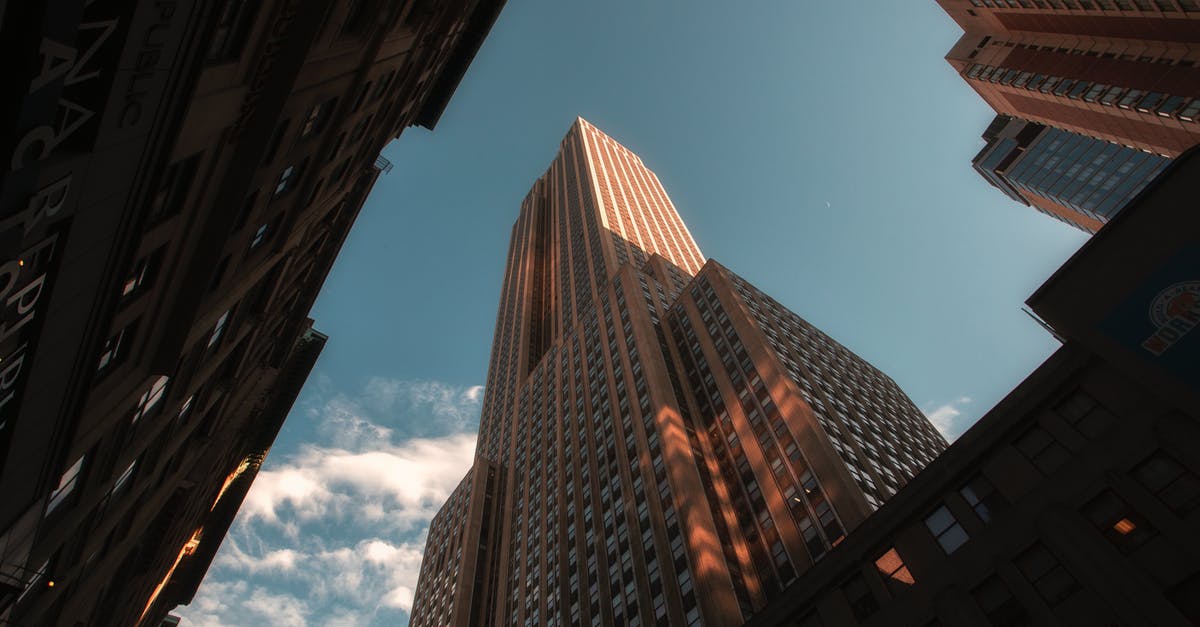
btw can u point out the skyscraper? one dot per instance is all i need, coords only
(661, 442)
(1080, 180)
(1099, 80)
(179, 178)
(1123, 71)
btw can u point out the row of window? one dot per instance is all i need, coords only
(1143, 101)
(1165, 6)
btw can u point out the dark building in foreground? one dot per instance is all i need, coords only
(661, 443)
(1080, 180)
(1110, 77)
(178, 179)
(1076, 500)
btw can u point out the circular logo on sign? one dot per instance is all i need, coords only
(1174, 302)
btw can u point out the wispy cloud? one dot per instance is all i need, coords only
(332, 532)
(946, 417)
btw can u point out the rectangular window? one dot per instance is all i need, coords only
(150, 399)
(998, 604)
(66, 485)
(858, 595)
(1119, 524)
(1042, 450)
(317, 117)
(218, 329)
(115, 349)
(234, 18)
(894, 572)
(141, 276)
(946, 529)
(1173, 484)
(172, 190)
(982, 496)
(1080, 410)
(288, 178)
(1046, 574)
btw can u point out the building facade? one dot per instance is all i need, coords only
(1077, 179)
(179, 177)
(1076, 500)
(1118, 75)
(669, 445)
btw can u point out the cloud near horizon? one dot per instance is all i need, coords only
(945, 418)
(332, 532)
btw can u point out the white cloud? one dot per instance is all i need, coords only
(945, 417)
(332, 532)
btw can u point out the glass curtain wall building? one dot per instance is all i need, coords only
(664, 444)
(1080, 180)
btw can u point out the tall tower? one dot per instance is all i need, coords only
(661, 443)
(1104, 92)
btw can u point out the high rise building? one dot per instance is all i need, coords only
(661, 442)
(1080, 180)
(1106, 76)
(178, 180)
(1076, 499)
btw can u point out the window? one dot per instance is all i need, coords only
(115, 349)
(894, 572)
(1082, 411)
(172, 189)
(998, 604)
(1173, 484)
(260, 235)
(1150, 102)
(233, 23)
(140, 276)
(218, 329)
(317, 118)
(66, 485)
(123, 479)
(150, 399)
(862, 602)
(946, 529)
(288, 178)
(982, 496)
(1046, 574)
(1119, 524)
(1042, 450)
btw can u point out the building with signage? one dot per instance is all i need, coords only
(1118, 75)
(660, 442)
(1077, 179)
(178, 179)
(1076, 500)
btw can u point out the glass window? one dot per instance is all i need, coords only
(1191, 112)
(288, 179)
(115, 349)
(946, 529)
(150, 398)
(1111, 96)
(858, 595)
(998, 604)
(1046, 574)
(1119, 524)
(317, 117)
(982, 496)
(1040, 448)
(66, 485)
(123, 479)
(1173, 484)
(1150, 102)
(234, 18)
(1171, 105)
(894, 572)
(1081, 411)
(218, 329)
(141, 276)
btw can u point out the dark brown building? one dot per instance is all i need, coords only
(179, 177)
(1076, 500)
(1109, 78)
(664, 444)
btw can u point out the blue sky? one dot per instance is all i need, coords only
(821, 150)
